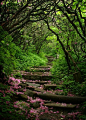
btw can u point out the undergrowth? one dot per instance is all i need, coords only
(13, 57)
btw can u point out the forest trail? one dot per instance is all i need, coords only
(46, 99)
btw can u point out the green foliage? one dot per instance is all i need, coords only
(59, 68)
(17, 75)
(43, 56)
(3, 87)
(83, 109)
(25, 61)
(83, 117)
(13, 57)
(82, 67)
(7, 52)
(77, 88)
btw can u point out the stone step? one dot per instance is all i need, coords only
(42, 66)
(33, 84)
(43, 82)
(40, 69)
(50, 63)
(22, 97)
(35, 89)
(38, 82)
(39, 90)
(30, 93)
(60, 105)
(51, 86)
(62, 98)
(36, 77)
(37, 73)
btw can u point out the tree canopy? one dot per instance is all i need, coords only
(33, 24)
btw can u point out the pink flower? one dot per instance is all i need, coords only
(33, 111)
(70, 29)
(10, 112)
(3, 95)
(2, 91)
(42, 113)
(60, 31)
(30, 7)
(51, 111)
(18, 81)
(75, 42)
(33, 101)
(19, 93)
(1, 3)
(54, 112)
(26, 112)
(63, 116)
(19, 0)
(57, 111)
(24, 81)
(37, 118)
(7, 91)
(16, 106)
(28, 116)
(7, 102)
(77, 106)
(26, 41)
(64, 104)
(24, 90)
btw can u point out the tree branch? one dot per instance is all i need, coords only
(72, 23)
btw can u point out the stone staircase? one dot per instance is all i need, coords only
(38, 85)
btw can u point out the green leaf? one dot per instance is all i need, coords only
(2, 41)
